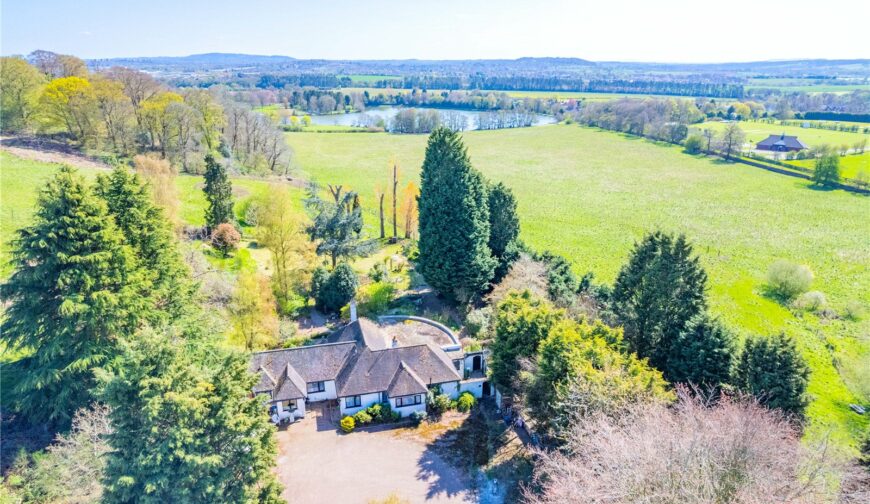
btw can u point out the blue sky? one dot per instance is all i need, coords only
(646, 30)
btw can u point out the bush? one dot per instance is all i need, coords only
(375, 411)
(440, 403)
(333, 290)
(465, 402)
(395, 416)
(386, 411)
(225, 238)
(853, 310)
(376, 298)
(478, 322)
(347, 424)
(362, 418)
(810, 301)
(694, 144)
(787, 280)
(379, 273)
(417, 417)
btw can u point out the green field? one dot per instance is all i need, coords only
(850, 165)
(757, 131)
(589, 194)
(368, 79)
(556, 95)
(20, 180)
(804, 86)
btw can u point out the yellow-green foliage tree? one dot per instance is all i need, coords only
(157, 121)
(115, 112)
(69, 103)
(585, 368)
(20, 84)
(255, 322)
(282, 231)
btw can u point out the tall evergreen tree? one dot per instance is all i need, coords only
(701, 354)
(771, 369)
(504, 227)
(219, 193)
(76, 289)
(337, 225)
(185, 427)
(147, 231)
(454, 220)
(657, 292)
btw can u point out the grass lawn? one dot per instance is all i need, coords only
(20, 180)
(757, 131)
(850, 165)
(590, 194)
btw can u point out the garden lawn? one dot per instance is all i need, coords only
(590, 194)
(758, 131)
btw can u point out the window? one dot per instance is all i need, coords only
(291, 405)
(352, 402)
(457, 364)
(316, 386)
(409, 400)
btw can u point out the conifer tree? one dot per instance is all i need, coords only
(701, 354)
(185, 426)
(454, 220)
(771, 369)
(219, 193)
(144, 227)
(337, 225)
(657, 292)
(76, 290)
(504, 227)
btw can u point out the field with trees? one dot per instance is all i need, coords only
(813, 137)
(589, 194)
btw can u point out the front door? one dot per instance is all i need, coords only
(486, 390)
(475, 363)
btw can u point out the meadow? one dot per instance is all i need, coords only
(850, 166)
(804, 86)
(757, 131)
(556, 95)
(590, 194)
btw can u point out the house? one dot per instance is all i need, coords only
(366, 363)
(781, 143)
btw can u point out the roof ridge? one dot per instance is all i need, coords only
(274, 350)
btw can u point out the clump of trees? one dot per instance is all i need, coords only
(661, 119)
(126, 112)
(457, 226)
(748, 454)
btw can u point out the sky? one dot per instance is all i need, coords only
(600, 30)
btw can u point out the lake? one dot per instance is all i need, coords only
(387, 113)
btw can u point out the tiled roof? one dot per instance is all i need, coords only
(362, 331)
(783, 140)
(312, 363)
(373, 371)
(406, 382)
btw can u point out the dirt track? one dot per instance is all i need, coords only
(48, 152)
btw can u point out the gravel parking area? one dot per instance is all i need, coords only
(317, 463)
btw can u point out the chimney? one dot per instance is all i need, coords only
(353, 310)
(395, 342)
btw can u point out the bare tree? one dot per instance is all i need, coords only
(731, 140)
(734, 451)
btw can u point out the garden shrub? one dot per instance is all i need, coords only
(379, 273)
(225, 238)
(465, 402)
(395, 416)
(333, 290)
(810, 301)
(376, 298)
(386, 411)
(478, 322)
(787, 280)
(440, 403)
(417, 417)
(694, 144)
(347, 424)
(375, 411)
(362, 418)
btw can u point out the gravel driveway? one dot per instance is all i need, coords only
(317, 464)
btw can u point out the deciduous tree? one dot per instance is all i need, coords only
(20, 84)
(252, 310)
(70, 103)
(827, 170)
(731, 140)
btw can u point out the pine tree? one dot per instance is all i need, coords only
(504, 227)
(144, 227)
(657, 292)
(771, 369)
(219, 193)
(186, 428)
(76, 290)
(337, 225)
(454, 220)
(701, 354)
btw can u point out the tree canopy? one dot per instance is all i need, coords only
(771, 369)
(219, 193)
